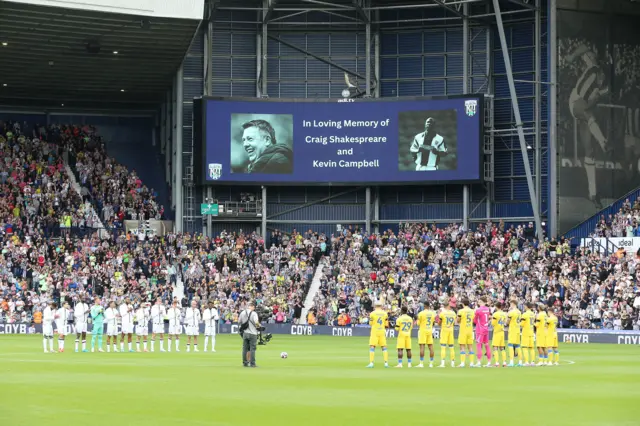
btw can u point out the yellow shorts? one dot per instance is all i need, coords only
(514, 337)
(378, 340)
(404, 342)
(497, 341)
(527, 341)
(552, 341)
(465, 338)
(446, 337)
(425, 337)
(541, 340)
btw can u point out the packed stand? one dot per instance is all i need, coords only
(117, 192)
(37, 196)
(228, 270)
(625, 223)
(425, 263)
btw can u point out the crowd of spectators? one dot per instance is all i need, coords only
(228, 270)
(117, 192)
(625, 223)
(36, 194)
(45, 255)
(423, 263)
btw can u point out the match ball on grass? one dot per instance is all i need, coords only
(284, 355)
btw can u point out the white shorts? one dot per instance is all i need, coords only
(175, 330)
(127, 328)
(210, 330)
(81, 327)
(578, 107)
(192, 330)
(61, 328)
(112, 329)
(158, 328)
(47, 330)
(142, 330)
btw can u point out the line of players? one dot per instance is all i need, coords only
(526, 332)
(55, 320)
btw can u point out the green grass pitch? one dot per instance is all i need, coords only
(323, 382)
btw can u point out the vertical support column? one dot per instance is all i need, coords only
(258, 65)
(537, 105)
(168, 133)
(376, 55)
(465, 207)
(367, 211)
(376, 210)
(209, 217)
(174, 139)
(490, 91)
(264, 214)
(553, 114)
(516, 113)
(465, 90)
(263, 52)
(163, 127)
(178, 165)
(367, 55)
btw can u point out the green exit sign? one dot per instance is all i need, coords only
(209, 209)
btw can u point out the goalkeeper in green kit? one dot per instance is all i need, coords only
(97, 317)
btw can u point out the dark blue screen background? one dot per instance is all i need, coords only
(218, 135)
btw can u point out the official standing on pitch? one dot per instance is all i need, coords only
(249, 323)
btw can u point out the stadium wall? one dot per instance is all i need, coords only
(419, 59)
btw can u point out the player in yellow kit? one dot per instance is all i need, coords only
(425, 321)
(552, 337)
(404, 325)
(527, 322)
(498, 322)
(379, 321)
(513, 321)
(465, 333)
(447, 319)
(541, 335)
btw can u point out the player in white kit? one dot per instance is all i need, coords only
(111, 316)
(175, 328)
(80, 320)
(192, 321)
(583, 101)
(427, 147)
(157, 323)
(210, 317)
(61, 324)
(126, 314)
(142, 328)
(48, 317)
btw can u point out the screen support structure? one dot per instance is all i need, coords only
(516, 112)
(553, 106)
(465, 89)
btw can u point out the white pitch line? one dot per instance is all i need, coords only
(570, 362)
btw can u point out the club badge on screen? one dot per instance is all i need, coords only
(471, 107)
(215, 171)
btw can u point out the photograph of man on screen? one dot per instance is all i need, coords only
(433, 147)
(257, 149)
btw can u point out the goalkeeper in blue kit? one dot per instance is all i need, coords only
(97, 317)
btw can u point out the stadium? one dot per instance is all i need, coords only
(236, 212)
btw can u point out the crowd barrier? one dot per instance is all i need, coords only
(564, 335)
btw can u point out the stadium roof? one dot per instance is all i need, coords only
(52, 54)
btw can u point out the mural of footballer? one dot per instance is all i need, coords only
(428, 147)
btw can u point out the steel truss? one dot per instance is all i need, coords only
(285, 15)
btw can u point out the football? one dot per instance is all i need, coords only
(283, 355)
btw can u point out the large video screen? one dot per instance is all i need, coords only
(310, 141)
